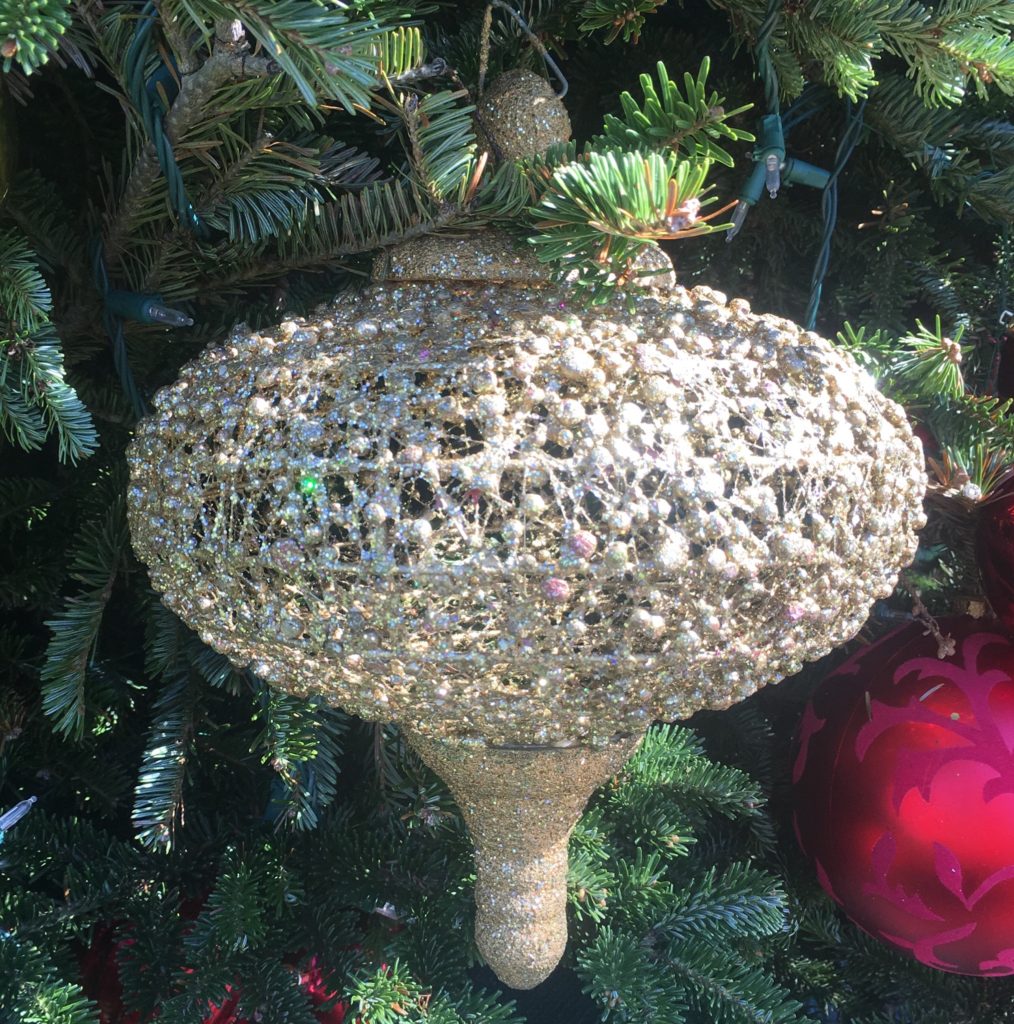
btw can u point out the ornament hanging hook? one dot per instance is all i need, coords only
(540, 47)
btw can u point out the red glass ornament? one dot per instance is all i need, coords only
(312, 981)
(100, 980)
(226, 1013)
(903, 792)
(100, 976)
(994, 551)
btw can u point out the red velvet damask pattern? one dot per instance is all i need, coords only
(903, 789)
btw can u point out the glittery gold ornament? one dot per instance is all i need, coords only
(520, 116)
(504, 521)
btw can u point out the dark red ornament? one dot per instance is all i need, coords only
(225, 1012)
(326, 1008)
(100, 980)
(903, 791)
(994, 551)
(100, 975)
(930, 445)
(312, 981)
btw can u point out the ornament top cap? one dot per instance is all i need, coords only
(489, 255)
(496, 257)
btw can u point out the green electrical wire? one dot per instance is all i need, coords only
(114, 328)
(765, 65)
(119, 305)
(829, 207)
(135, 68)
(851, 136)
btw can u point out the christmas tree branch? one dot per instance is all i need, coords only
(35, 398)
(98, 557)
(230, 60)
(380, 215)
(31, 988)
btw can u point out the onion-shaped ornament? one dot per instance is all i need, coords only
(522, 529)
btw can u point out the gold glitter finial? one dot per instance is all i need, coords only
(520, 807)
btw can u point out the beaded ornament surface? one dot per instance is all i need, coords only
(485, 512)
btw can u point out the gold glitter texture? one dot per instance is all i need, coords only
(487, 512)
(521, 116)
(498, 518)
(493, 255)
(520, 807)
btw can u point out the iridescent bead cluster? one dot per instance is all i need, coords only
(495, 516)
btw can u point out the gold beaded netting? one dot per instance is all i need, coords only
(485, 512)
(523, 529)
(501, 520)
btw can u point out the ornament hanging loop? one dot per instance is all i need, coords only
(536, 42)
